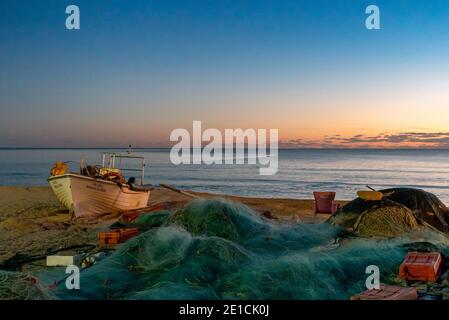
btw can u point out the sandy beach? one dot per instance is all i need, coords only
(32, 221)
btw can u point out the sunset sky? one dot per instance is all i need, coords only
(139, 69)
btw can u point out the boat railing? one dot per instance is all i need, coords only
(111, 163)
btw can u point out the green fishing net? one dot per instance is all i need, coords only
(220, 250)
(21, 286)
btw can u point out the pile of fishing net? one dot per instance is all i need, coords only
(220, 250)
(20, 286)
(383, 218)
(402, 210)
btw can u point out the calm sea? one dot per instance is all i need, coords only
(300, 171)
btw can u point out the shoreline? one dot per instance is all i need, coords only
(227, 195)
(33, 221)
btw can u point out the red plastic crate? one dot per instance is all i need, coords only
(386, 292)
(117, 236)
(421, 266)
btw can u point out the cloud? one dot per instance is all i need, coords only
(301, 143)
(436, 140)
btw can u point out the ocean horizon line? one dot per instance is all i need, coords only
(168, 148)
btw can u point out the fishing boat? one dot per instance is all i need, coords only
(99, 190)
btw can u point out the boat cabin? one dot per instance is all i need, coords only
(114, 165)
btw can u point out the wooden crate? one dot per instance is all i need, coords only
(386, 292)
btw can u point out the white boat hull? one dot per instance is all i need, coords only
(85, 196)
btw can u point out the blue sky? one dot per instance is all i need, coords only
(309, 68)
